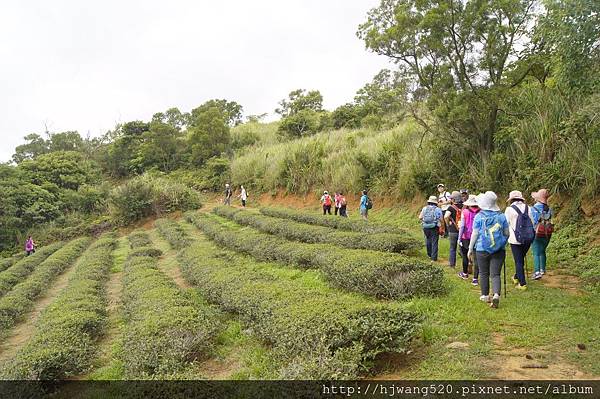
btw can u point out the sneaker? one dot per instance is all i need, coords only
(537, 275)
(543, 272)
(521, 287)
(463, 275)
(495, 301)
(475, 282)
(515, 280)
(484, 298)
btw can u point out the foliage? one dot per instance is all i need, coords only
(300, 100)
(295, 231)
(373, 273)
(173, 233)
(63, 344)
(208, 136)
(7, 262)
(231, 111)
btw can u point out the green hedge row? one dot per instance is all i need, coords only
(64, 343)
(21, 298)
(7, 262)
(316, 332)
(166, 330)
(20, 270)
(144, 251)
(139, 238)
(375, 273)
(173, 233)
(296, 231)
(360, 226)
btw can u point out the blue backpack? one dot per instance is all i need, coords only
(429, 219)
(524, 231)
(492, 233)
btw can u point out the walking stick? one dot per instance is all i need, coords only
(504, 267)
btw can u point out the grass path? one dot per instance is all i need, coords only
(24, 329)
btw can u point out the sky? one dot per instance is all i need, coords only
(86, 66)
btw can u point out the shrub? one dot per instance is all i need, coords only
(166, 330)
(7, 262)
(21, 298)
(64, 342)
(334, 223)
(316, 234)
(373, 273)
(317, 332)
(173, 233)
(144, 251)
(21, 269)
(139, 238)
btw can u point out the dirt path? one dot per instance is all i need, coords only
(167, 263)
(20, 334)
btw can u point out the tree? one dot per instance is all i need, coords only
(231, 111)
(299, 100)
(36, 146)
(172, 117)
(208, 136)
(64, 169)
(386, 94)
(347, 115)
(460, 55)
(161, 147)
(302, 123)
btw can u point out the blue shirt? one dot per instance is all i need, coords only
(363, 202)
(539, 210)
(478, 225)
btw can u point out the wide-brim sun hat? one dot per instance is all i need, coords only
(488, 201)
(541, 196)
(515, 195)
(441, 185)
(471, 201)
(432, 200)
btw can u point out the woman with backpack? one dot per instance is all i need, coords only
(452, 218)
(343, 206)
(365, 205)
(431, 219)
(469, 211)
(326, 202)
(488, 239)
(521, 220)
(543, 232)
(29, 246)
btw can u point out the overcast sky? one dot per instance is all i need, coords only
(85, 66)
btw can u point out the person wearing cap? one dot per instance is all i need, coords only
(469, 211)
(487, 246)
(518, 249)
(543, 228)
(431, 218)
(452, 219)
(228, 195)
(326, 202)
(464, 193)
(443, 200)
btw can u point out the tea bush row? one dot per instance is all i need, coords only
(21, 298)
(23, 268)
(316, 332)
(64, 343)
(340, 223)
(374, 273)
(139, 238)
(7, 262)
(291, 230)
(166, 330)
(173, 233)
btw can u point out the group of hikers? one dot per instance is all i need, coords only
(243, 195)
(477, 227)
(340, 204)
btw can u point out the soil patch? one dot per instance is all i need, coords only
(566, 282)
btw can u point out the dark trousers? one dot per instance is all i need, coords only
(453, 237)
(244, 203)
(343, 211)
(490, 266)
(326, 209)
(431, 242)
(464, 250)
(336, 210)
(519, 253)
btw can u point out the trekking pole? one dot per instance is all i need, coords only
(504, 267)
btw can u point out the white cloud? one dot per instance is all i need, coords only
(86, 65)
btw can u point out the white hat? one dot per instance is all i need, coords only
(488, 201)
(432, 200)
(471, 201)
(515, 195)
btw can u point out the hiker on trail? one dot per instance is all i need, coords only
(243, 196)
(228, 194)
(452, 219)
(443, 200)
(365, 205)
(431, 219)
(29, 246)
(521, 220)
(343, 206)
(543, 231)
(464, 193)
(326, 202)
(469, 211)
(488, 239)
(336, 203)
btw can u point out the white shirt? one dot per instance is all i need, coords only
(444, 200)
(512, 215)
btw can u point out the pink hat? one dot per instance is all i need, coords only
(541, 196)
(515, 195)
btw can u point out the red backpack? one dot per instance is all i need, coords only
(327, 200)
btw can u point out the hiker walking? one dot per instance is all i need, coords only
(228, 194)
(365, 205)
(243, 196)
(543, 231)
(443, 200)
(521, 220)
(431, 219)
(29, 246)
(469, 211)
(343, 206)
(336, 203)
(326, 202)
(452, 218)
(488, 239)
(464, 194)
